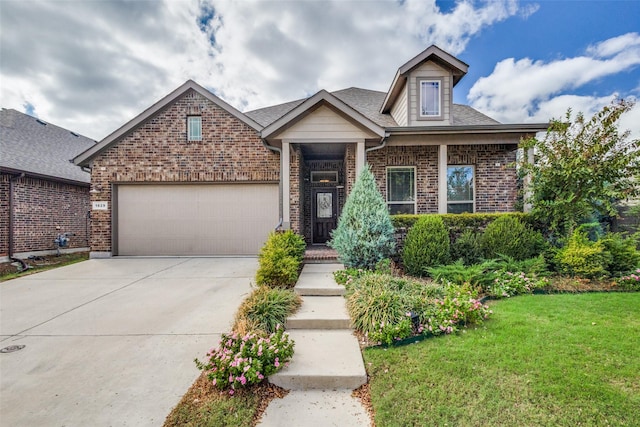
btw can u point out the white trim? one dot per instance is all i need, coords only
(439, 116)
(442, 179)
(286, 185)
(191, 135)
(473, 188)
(415, 187)
(360, 157)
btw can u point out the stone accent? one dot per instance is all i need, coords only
(158, 151)
(40, 207)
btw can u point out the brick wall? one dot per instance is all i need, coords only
(4, 215)
(424, 158)
(295, 183)
(40, 206)
(158, 151)
(496, 180)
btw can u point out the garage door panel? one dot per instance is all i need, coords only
(222, 219)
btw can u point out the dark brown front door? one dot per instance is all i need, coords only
(325, 213)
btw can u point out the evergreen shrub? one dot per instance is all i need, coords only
(509, 236)
(364, 235)
(426, 245)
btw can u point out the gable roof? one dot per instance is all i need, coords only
(84, 158)
(38, 148)
(306, 106)
(368, 102)
(432, 53)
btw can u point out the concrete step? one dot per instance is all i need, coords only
(320, 313)
(317, 279)
(323, 360)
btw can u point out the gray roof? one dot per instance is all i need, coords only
(31, 145)
(368, 103)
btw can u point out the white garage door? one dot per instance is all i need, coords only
(188, 219)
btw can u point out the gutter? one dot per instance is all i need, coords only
(12, 181)
(466, 129)
(376, 147)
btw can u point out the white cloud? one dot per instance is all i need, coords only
(525, 90)
(92, 66)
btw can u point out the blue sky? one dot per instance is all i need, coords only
(91, 66)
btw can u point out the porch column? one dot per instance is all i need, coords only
(360, 157)
(286, 185)
(442, 179)
(527, 182)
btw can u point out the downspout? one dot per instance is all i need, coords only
(12, 180)
(279, 151)
(377, 147)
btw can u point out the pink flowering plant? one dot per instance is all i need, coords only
(507, 284)
(459, 308)
(630, 282)
(390, 332)
(240, 361)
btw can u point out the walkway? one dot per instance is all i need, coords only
(327, 364)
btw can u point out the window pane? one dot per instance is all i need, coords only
(459, 183)
(400, 185)
(430, 98)
(457, 208)
(399, 209)
(194, 125)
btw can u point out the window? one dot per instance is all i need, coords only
(430, 98)
(460, 189)
(194, 128)
(324, 177)
(401, 190)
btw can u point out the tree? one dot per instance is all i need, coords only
(364, 235)
(582, 167)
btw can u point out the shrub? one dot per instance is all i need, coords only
(375, 300)
(508, 284)
(364, 234)
(426, 245)
(277, 269)
(532, 266)
(509, 236)
(467, 248)
(630, 282)
(581, 257)
(265, 309)
(240, 361)
(624, 255)
(476, 275)
(458, 308)
(292, 243)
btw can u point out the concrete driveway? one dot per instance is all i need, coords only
(111, 342)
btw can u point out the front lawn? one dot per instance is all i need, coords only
(542, 360)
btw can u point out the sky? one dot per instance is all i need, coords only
(90, 66)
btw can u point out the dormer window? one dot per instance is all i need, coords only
(194, 128)
(430, 98)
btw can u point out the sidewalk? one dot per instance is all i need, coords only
(327, 364)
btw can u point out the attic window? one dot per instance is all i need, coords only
(194, 128)
(430, 98)
(41, 122)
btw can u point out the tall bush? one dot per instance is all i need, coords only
(364, 235)
(427, 245)
(582, 257)
(279, 260)
(625, 258)
(508, 236)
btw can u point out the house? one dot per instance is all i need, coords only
(192, 175)
(42, 193)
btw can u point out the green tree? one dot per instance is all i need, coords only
(364, 235)
(582, 167)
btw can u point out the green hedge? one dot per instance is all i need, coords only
(457, 223)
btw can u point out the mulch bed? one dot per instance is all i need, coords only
(363, 394)
(41, 262)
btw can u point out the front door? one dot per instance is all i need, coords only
(325, 213)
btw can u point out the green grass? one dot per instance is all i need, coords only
(49, 263)
(541, 360)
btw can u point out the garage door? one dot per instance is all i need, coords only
(212, 219)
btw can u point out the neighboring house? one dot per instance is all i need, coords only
(192, 175)
(42, 193)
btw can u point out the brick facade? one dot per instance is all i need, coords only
(158, 151)
(43, 208)
(495, 177)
